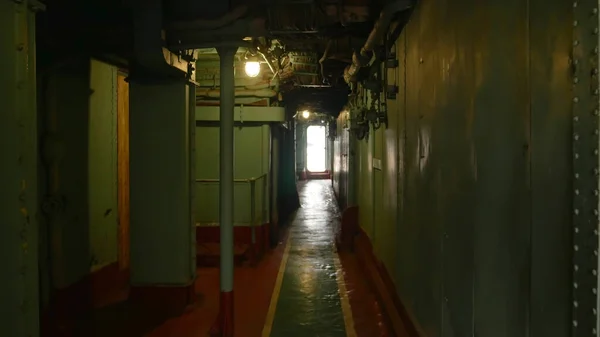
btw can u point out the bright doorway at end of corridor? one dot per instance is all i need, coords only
(315, 148)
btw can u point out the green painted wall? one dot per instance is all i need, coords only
(275, 169)
(365, 186)
(471, 209)
(19, 203)
(251, 156)
(162, 232)
(80, 139)
(102, 167)
(300, 141)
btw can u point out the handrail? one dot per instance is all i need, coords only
(264, 211)
(247, 180)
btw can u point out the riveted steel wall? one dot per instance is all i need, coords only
(550, 38)
(19, 204)
(341, 147)
(487, 201)
(584, 64)
(485, 172)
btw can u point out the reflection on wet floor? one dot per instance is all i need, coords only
(309, 302)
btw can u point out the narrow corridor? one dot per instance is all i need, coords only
(154, 180)
(312, 300)
(301, 288)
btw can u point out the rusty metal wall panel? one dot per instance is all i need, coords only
(337, 160)
(420, 230)
(585, 167)
(502, 199)
(341, 162)
(343, 174)
(454, 149)
(389, 173)
(380, 230)
(19, 202)
(365, 188)
(482, 90)
(551, 172)
(408, 267)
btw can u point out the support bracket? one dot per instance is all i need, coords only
(391, 61)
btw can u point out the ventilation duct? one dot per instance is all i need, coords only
(151, 58)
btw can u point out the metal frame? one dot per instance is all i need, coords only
(252, 181)
(242, 114)
(585, 167)
(19, 216)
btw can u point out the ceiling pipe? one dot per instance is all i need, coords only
(224, 20)
(203, 101)
(216, 93)
(150, 57)
(250, 83)
(218, 37)
(258, 86)
(324, 57)
(363, 57)
(268, 62)
(261, 42)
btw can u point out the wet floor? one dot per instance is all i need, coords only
(309, 302)
(305, 290)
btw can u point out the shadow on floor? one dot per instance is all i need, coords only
(312, 242)
(253, 289)
(119, 319)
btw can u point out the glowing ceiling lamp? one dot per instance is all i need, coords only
(252, 68)
(305, 113)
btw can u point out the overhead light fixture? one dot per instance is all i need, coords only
(305, 113)
(252, 68)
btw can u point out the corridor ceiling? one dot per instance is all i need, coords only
(306, 43)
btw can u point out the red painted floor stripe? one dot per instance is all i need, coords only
(252, 286)
(369, 320)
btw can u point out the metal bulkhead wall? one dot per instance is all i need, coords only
(584, 65)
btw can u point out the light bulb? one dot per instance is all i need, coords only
(305, 113)
(252, 68)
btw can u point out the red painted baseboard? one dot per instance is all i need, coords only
(162, 300)
(93, 290)
(348, 229)
(96, 289)
(306, 174)
(318, 175)
(401, 321)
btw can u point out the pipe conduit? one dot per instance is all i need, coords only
(216, 93)
(363, 57)
(248, 83)
(150, 55)
(225, 20)
(201, 101)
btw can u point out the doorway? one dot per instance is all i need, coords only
(316, 155)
